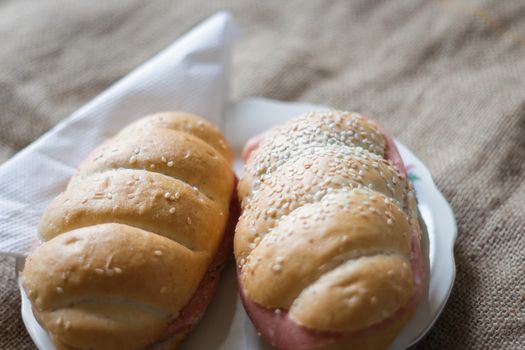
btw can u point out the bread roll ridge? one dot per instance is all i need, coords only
(129, 240)
(163, 144)
(326, 222)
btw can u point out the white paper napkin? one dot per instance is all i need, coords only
(192, 75)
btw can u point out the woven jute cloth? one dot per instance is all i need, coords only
(447, 78)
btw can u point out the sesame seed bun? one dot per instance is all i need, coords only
(328, 244)
(134, 246)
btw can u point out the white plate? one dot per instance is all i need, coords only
(226, 326)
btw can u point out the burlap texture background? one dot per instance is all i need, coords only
(445, 77)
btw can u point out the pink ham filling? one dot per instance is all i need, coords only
(282, 332)
(191, 314)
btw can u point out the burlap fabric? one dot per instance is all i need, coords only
(445, 77)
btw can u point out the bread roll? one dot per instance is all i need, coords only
(134, 245)
(328, 243)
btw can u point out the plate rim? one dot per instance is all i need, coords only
(445, 209)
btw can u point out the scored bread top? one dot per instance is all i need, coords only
(326, 226)
(129, 240)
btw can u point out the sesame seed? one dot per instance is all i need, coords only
(163, 159)
(137, 150)
(117, 270)
(271, 212)
(172, 210)
(389, 221)
(170, 163)
(188, 220)
(132, 160)
(99, 271)
(109, 195)
(157, 253)
(167, 195)
(152, 166)
(60, 290)
(276, 267)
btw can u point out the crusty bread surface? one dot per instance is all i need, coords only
(327, 229)
(130, 239)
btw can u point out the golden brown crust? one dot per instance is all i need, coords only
(331, 254)
(169, 344)
(189, 124)
(85, 286)
(285, 191)
(169, 152)
(129, 240)
(281, 144)
(148, 200)
(325, 229)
